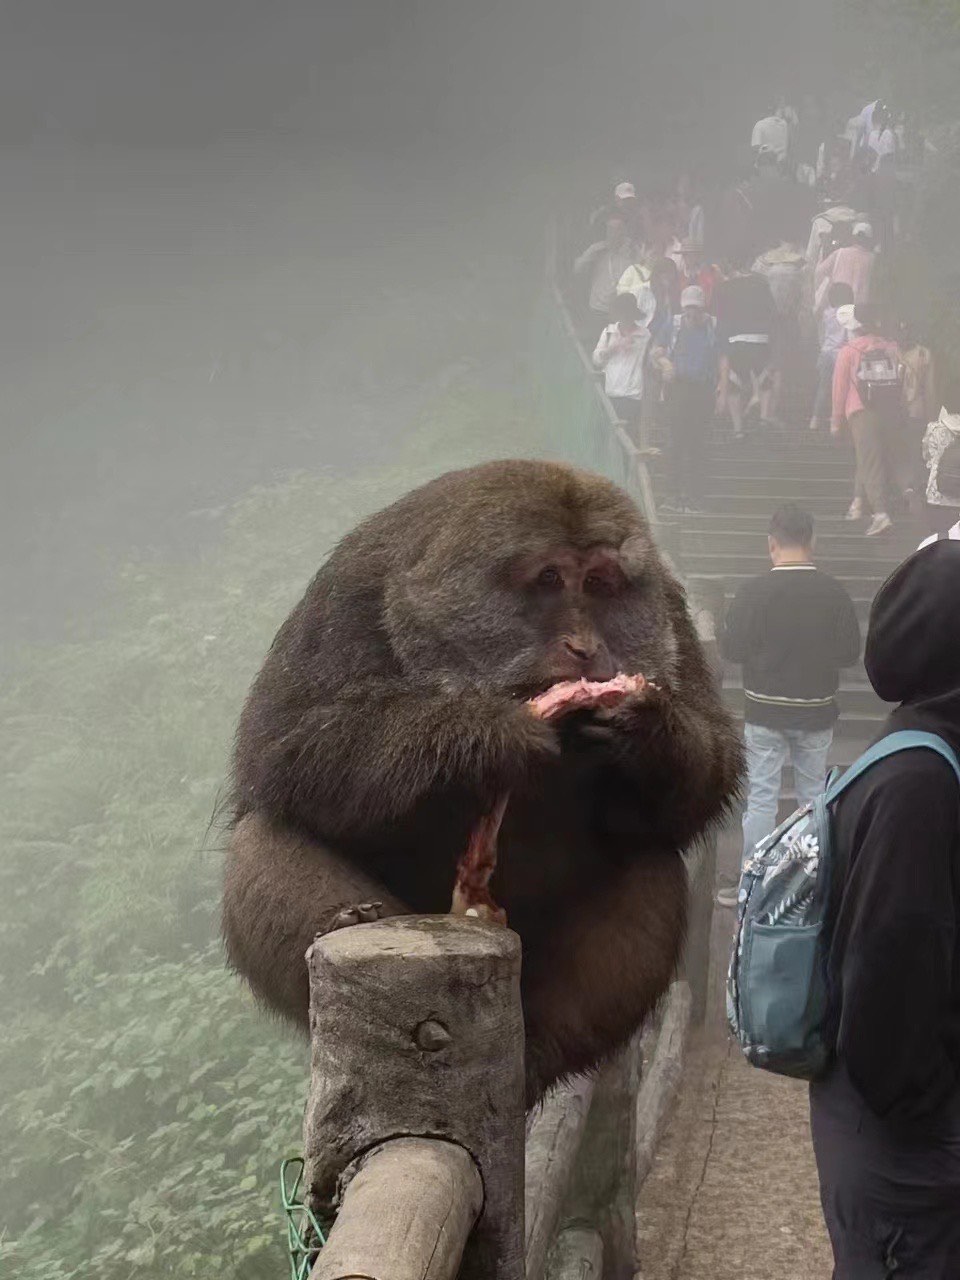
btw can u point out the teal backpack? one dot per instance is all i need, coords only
(776, 986)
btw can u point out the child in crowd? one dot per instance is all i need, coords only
(621, 353)
(834, 336)
(941, 454)
(686, 355)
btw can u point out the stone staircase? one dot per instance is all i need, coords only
(723, 548)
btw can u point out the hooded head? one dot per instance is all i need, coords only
(912, 653)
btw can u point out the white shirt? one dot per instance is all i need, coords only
(622, 365)
(632, 281)
(953, 533)
(937, 439)
(773, 133)
(859, 126)
(882, 142)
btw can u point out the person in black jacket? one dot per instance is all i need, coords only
(886, 1118)
(746, 327)
(792, 628)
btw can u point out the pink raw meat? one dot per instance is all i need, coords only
(575, 695)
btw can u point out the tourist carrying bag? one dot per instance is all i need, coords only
(880, 381)
(776, 985)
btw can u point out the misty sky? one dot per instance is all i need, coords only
(190, 182)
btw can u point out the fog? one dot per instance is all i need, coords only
(264, 266)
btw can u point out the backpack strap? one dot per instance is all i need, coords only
(891, 745)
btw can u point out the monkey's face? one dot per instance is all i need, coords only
(552, 611)
(589, 614)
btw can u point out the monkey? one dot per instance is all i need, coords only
(393, 712)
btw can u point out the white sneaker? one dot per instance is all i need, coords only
(855, 510)
(880, 523)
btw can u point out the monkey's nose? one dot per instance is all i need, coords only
(579, 648)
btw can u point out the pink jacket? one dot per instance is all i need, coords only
(852, 265)
(846, 396)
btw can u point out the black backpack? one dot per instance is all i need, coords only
(880, 381)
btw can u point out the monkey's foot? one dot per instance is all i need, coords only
(361, 913)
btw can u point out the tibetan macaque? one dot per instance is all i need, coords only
(415, 706)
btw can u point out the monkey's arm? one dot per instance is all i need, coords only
(280, 889)
(353, 764)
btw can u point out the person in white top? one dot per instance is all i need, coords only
(621, 354)
(859, 126)
(636, 280)
(953, 533)
(772, 133)
(941, 448)
(881, 140)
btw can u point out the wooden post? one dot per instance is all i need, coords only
(577, 1255)
(702, 872)
(553, 1142)
(603, 1190)
(661, 1078)
(417, 1032)
(405, 1215)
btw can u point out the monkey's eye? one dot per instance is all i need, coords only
(549, 577)
(600, 584)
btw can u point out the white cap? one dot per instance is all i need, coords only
(846, 316)
(625, 191)
(863, 229)
(693, 296)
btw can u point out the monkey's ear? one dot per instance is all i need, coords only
(637, 555)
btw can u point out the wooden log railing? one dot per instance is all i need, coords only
(415, 1138)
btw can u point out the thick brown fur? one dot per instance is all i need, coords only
(390, 714)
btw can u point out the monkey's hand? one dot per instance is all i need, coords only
(667, 767)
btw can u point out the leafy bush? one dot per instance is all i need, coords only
(145, 1103)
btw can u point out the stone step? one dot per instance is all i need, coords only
(726, 464)
(859, 577)
(786, 486)
(830, 546)
(735, 506)
(907, 532)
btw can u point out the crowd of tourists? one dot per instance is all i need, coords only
(752, 313)
(762, 317)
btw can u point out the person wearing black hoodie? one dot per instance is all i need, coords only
(886, 1117)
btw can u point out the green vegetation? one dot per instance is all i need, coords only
(146, 1102)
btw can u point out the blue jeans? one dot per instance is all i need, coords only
(823, 404)
(767, 752)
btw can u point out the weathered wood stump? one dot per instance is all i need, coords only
(417, 1033)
